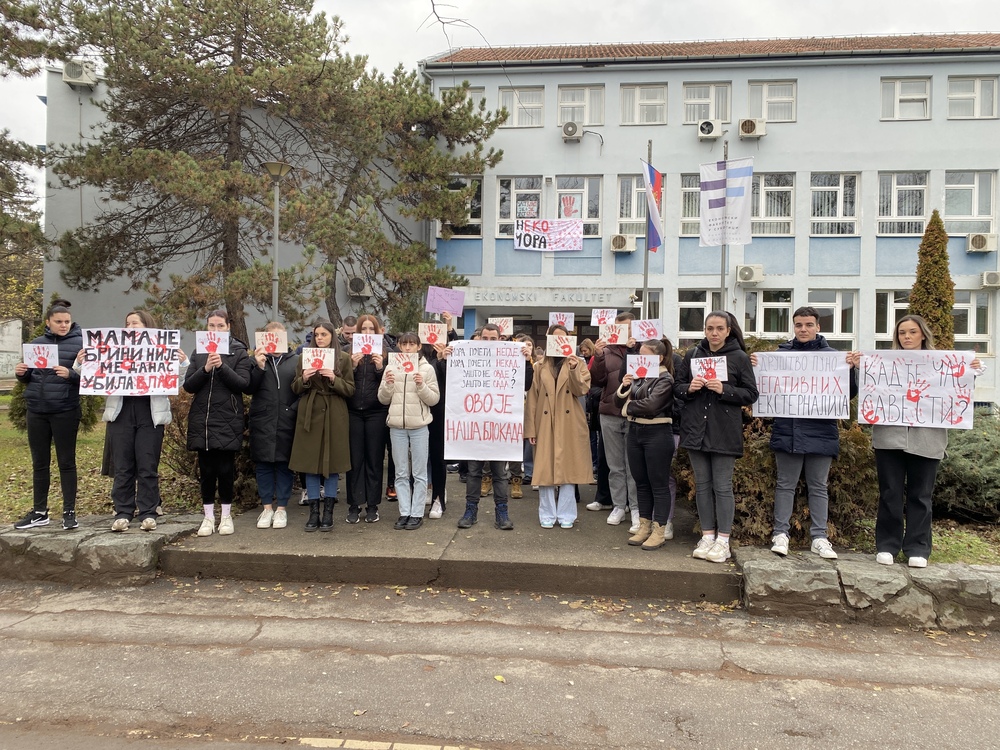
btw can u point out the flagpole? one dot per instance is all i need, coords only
(725, 246)
(645, 259)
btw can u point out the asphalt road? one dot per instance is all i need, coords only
(185, 663)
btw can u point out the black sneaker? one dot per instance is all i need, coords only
(69, 520)
(451, 468)
(401, 522)
(371, 515)
(33, 519)
(353, 514)
(414, 522)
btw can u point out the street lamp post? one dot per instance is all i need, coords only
(277, 170)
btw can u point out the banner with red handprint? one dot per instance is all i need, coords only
(614, 333)
(211, 342)
(602, 316)
(484, 401)
(506, 325)
(130, 362)
(560, 346)
(549, 235)
(319, 358)
(647, 330)
(564, 319)
(366, 343)
(402, 363)
(923, 388)
(271, 342)
(642, 365)
(432, 333)
(710, 368)
(40, 356)
(803, 385)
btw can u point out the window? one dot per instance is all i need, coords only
(644, 105)
(581, 104)
(901, 200)
(706, 101)
(768, 312)
(473, 226)
(631, 205)
(475, 93)
(525, 107)
(971, 315)
(968, 202)
(834, 203)
(693, 306)
(690, 204)
(519, 198)
(771, 204)
(906, 98)
(836, 316)
(972, 98)
(580, 198)
(889, 308)
(773, 101)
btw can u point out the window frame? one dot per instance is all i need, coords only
(892, 304)
(886, 220)
(899, 98)
(471, 220)
(975, 96)
(591, 193)
(518, 106)
(712, 301)
(638, 212)
(639, 103)
(766, 99)
(755, 325)
(690, 205)
(711, 101)
(835, 335)
(589, 106)
(986, 220)
(842, 218)
(758, 202)
(513, 191)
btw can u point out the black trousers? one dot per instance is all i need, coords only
(435, 456)
(603, 495)
(135, 449)
(367, 438)
(60, 428)
(650, 449)
(217, 468)
(905, 486)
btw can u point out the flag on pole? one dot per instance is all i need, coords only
(726, 189)
(654, 193)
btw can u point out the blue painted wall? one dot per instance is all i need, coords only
(776, 254)
(588, 261)
(834, 256)
(466, 255)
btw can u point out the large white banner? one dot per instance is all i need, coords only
(726, 189)
(548, 235)
(803, 385)
(130, 362)
(484, 403)
(917, 388)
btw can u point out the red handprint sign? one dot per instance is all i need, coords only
(212, 342)
(560, 346)
(647, 330)
(432, 333)
(41, 356)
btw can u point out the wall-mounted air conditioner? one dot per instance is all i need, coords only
(749, 274)
(709, 130)
(571, 132)
(358, 288)
(80, 73)
(991, 279)
(623, 243)
(752, 128)
(980, 242)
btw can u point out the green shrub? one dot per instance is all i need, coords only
(968, 481)
(91, 410)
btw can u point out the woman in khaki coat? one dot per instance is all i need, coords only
(556, 426)
(321, 448)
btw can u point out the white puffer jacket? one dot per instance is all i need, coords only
(410, 404)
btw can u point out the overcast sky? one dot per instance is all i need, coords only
(394, 31)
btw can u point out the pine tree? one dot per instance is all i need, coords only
(933, 294)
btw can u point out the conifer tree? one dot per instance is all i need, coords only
(933, 294)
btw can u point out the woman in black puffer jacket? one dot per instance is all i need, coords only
(52, 397)
(216, 421)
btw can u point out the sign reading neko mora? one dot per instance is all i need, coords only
(549, 235)
(803, 385)
(130, 362)
(484, 402)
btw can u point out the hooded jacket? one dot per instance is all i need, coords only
(273, 408)
(216, 419)
(46, 392)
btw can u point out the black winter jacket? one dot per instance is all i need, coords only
(606, 370)
(648, 400)
(46, 392)
(818, 437)
(713, 422)
(216, 419)
(273, 408)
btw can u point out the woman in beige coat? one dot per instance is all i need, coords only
(555, 425)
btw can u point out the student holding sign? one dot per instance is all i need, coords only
(216, 421)
(52, 397)
(712, 428)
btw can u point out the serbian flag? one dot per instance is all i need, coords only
(654, 192)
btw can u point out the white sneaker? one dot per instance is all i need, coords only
(436, 511)
(264, 520)
(120, 524)
(226, 526)
(598, 506)
(704, 545)
(719, 552)
(885, 558)
(616, 516)
(822, 547)
(148, 524)
(917, 562)
(668, 530)
(429, 499)
(779, 544)
(634, 528)
(207, 527)
(280, 519)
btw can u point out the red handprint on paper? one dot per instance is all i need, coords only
(640, 371)
(569, 209)
(366, 348)
(211, 342)
(868, 412)
(317, 363)
(38, 358)
(270, 347)
(955, 365)
(964, 397)
(127, 365)
(564, 346)
(432, 337)
(559, 320)
(647, 330)
(408, 366)
(613, 336)
(915, 390)
(603, 318)
(708, 371)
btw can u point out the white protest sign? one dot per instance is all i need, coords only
(40, 356)
(642, 365)
(614, 333)
(922, 388)
(549, 235)
(130, 362)
(647, 330)
(271, 342)
(211, 342)
(564, 319)
(403, 363)
(803, 385)
(603, 316)
(319, 358)
(710, 368)
(484, 401)
(432, 333)
(506, 325)
(366, 343)
(560, 346)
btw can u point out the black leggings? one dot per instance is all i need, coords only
(217, 467)
(43, 430)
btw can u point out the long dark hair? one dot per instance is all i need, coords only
(327, 325)
(735, 332)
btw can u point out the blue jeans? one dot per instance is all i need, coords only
(329, 486)
(274, 483)
(409, 453)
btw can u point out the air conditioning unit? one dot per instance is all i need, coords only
(981, 243)
(571, 132)
(709, 130)
(80, 73)
(991, 279)
(752, 128)
(749, 274)
(358, 288)
(623, 243)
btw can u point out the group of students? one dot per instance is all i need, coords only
(321, 422)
